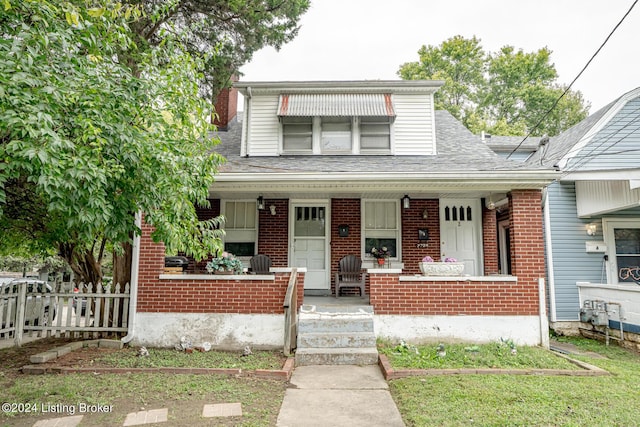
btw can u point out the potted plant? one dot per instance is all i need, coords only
(226, 263)
(381, 254)
(448, 267)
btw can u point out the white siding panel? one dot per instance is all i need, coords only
(599, 197)
(414, 132)
(263, 126)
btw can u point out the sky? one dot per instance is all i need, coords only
(371, 39)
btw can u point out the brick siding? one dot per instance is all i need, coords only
(217, 295)
(451, 298)
(412, 220)
(273, 236)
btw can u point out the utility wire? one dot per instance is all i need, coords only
(574, 80)
(597, 144)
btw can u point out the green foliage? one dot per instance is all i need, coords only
(224, 33)
(506, 93)
(87, 140)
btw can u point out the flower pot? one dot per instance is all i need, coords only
(227, 272)
(441, 268)
(381, 261)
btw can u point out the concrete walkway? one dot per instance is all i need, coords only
(332, 395)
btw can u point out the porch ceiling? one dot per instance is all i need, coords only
(318, 188)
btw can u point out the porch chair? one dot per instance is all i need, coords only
(350, 274)
(260, 264)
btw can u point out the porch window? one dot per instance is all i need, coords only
(240, 227)
(381, 226)
(297, 133)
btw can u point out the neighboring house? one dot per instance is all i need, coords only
(518, 148)
(592, 216)
(316, 171)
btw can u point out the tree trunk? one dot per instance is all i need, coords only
(122, 265)
(86, 268)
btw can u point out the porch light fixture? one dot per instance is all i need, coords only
(260, 203)
(591, 229)
(491, 205)
(425, 214)
(272, 209)
(405, 201)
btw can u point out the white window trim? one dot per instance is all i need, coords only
(223, 208)
(365, 255)
(608, 225)
(316, 140)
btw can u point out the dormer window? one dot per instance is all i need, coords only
(375, 133)
(336, 123)
(297, 134)
(336, 135)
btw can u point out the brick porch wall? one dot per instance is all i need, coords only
(390, 296)
(215, 295)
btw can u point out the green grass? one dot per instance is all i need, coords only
(494, 355)
(505, 400)
(157, 358)
(184, 395)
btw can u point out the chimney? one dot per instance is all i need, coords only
(226, 106)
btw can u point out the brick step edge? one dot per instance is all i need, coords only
(393, 374)
(283, 374)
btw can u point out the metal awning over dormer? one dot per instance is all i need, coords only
(336, 105)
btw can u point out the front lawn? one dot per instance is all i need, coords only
(507, 400)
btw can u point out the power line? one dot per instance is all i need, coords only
(598, 143)
(574, 80)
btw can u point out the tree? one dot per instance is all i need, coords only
(86, 141)
(460, 63)
(225, 33)
(100, 118)
(510, 92)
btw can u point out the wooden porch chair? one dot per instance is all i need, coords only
(350, 274)
(260, 264)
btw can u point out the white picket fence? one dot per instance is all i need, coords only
(64, 314)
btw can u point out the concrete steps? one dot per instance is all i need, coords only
(336, 335)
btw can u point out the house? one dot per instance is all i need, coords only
(592, 219)
(318, 170)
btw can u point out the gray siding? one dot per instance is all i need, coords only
(571, 262)
(616, 145)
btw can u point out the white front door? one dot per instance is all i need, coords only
(309, 243)
(461, 233)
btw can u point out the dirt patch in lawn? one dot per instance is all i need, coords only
(184, 396)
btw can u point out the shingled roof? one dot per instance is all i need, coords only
(457, 150)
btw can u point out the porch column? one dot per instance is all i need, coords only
(490, 241)
(527, 244)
